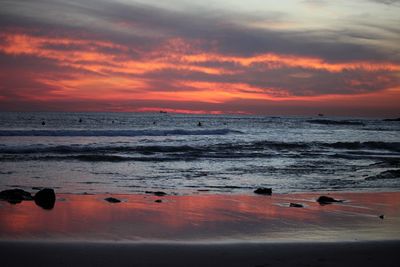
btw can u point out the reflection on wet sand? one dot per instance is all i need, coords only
(205, 218)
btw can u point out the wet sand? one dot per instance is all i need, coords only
(203, 230)
(245, 254)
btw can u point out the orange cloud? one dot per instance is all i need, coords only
(106, 71)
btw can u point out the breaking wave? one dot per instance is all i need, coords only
(261, 149)
(115, 133)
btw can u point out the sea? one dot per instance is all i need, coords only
(129, 153)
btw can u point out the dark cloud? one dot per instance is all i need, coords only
(144, 26)
(292, 81)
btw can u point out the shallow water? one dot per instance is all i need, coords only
(131, 153)
(205, 218)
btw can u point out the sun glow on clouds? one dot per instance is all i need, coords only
(99, 70)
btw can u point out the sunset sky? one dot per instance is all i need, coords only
(247, 57)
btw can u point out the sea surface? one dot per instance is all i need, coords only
(138, 152)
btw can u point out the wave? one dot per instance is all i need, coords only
(217, 150)
(333, 122)
(390, 146)
(116, 133)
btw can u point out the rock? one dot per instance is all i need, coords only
(158, 201)
(15, 196)
(295, 205)
(112, 200)
(327, 200)
(263, 191)
(157, 193)
(45, 198)
(382, 217)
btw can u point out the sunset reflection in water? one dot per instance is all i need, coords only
(205, 218)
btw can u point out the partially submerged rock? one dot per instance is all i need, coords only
(327, 200)
(45, 198)
(263, 191)
(112, 200)
(295, 205)
(15, 196)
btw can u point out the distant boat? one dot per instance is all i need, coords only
(320, 115)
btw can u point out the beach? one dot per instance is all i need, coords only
(159, 190)
(203, 230)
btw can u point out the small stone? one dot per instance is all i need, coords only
(15, 196)
(327, 200)
(295, 205)
(45, 198)
(263, 191)
(112, 200)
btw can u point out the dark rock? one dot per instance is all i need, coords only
(263, 191)
(112, 200)
(15, 196)
(295, 205)
(158, 201)
(327, 200)
(156, 193)
(382, 216)
(45, 198)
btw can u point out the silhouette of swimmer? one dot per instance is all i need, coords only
(43, 123)
(80, 120)
(154, 122)
(199, 124)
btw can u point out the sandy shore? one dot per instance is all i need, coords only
(203, 230)
(205, 218)
(266, 254)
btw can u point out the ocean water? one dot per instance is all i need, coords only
(138, 152)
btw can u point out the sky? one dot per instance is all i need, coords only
(238, 57)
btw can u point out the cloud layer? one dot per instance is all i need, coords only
(142, 56)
